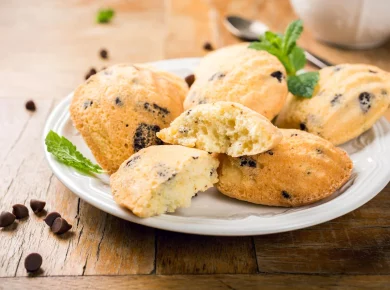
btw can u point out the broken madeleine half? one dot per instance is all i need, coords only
(160, 179)
(223, 127)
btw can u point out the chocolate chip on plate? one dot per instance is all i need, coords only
(103, 53)
(207, 46)
(190, 80)
(49, 220)
(6, 219)
(20, 211)
(60, 226)
(37, 205)
(33, 262)
(30, 106)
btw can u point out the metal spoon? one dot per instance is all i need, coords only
(249, 30)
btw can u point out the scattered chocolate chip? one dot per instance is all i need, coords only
(51, 217)
(195, 157)
(188, 112)
(183, 130)
(118, 101)
(154, 108)
(173, 175)
(20, 211)
(373, 72)
(270, 152)
(319, 151)
(6, 219)
(37, 205)
(145, 135)
(285, 194)
(30, 106)
(293, 135)
(278, 75)
(133, 160)
(209, 152)
(87, 104)
(195, 195)
(60, 226)
(127, 125)
(33, 262)
(103, 53)
(190, 80)
(212, 171)
(207, 46)
(90, 73)
(302, 126)
(246, 161)
(336, 99)
(365, 101)
(217, 75)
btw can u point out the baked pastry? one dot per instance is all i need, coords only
(347, 101)
(302, 169)
(222, 127)
(255, 79)
(119, 110)
(160, 179)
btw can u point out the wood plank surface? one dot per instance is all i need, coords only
(47, 48)
(194, 282)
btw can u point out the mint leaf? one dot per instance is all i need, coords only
(303, 85)
(274, 39)
(293, 32)
(105, 15)
(297, 58)
(67, 153)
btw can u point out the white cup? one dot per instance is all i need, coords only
(355, 24)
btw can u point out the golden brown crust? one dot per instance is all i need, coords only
(301, 170)
(119, 110)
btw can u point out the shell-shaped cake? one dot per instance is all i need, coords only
(160, 179)
(223, 127)
(119, 110)
(302, 169)
(255, 79)
(347, 101)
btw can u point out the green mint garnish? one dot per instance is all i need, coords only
(66, 153)
(104, 15)
(285, 48)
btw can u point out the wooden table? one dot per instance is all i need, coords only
(46, 49)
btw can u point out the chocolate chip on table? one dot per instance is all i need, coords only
(278, 75)
(37, 205)
(190, 80)
(33, 262)
(6, 219)
(20, 211)
(30, 106)
(51, 217)
(207, 46)
(103, 53)
(60, 226)
(90, 73)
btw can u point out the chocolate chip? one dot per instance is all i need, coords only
(30, 106)
(188, 112)
(87, 104)
(319, 151)
(190, 80)
(127, 125)
(270, 152)
(302, 126)
(337, 68)
(246, 161)
(212, 171)
(118, 101)
(145, 136)
(6, 219)
(154, 108)
(373, 72)
(37, 205)
(195, 157)
(20, 211)
(365, 101)
(51, 217)
(103, 53)
(133, 160)
(278, 75)
(173, 175)
(285, 194)
(336, 99)
(207, 46)
(60, 226)
(90, 73)
(293, 135)
(33, 262)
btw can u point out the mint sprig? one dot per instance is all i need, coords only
(105, 15)
(293, 58)
(67, 153)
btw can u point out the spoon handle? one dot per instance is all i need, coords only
(316, 60)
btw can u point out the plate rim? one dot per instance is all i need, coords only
(216, 228)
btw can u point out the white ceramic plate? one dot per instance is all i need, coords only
(212, 213)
